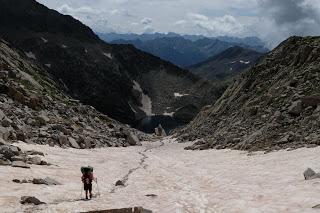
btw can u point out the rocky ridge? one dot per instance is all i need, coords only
(34, 109)
(274, 105)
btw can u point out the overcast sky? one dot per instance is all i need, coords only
(271, 20)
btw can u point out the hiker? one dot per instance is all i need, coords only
(87, 178)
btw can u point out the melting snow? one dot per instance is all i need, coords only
(31, 55)
(185, 181)
(169, 114)
(176, 94)
(146, 101)
(108, 55)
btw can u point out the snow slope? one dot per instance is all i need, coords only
(185, 181)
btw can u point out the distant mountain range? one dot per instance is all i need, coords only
(227, 64)
(183, 50)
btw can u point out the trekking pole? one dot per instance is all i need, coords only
(81, 193)
(98, 187)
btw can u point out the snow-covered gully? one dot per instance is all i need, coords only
(163, 177)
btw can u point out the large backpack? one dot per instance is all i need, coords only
(86, 169)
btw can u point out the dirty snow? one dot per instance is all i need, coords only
(176, 94)
(185, 181)
(146, 101)
(108, 55)
(31, 55)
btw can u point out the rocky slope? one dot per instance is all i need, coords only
(34, 109)
(118, 80)
(226, 64)
(274, 105)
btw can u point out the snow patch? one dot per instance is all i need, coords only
(146, 101)
(48, 65)
(31, 55)
(168, 114)
(176, 94)
(108, 55)
(64, 46)
(44, 40)
(244, 62)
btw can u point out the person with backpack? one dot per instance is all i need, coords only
(87, 178)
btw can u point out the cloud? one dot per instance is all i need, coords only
(146, 21)
(217, 26)
(281, 19)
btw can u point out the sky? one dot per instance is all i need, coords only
(271, 20)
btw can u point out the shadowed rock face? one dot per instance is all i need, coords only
(274, 105)
(97, 73)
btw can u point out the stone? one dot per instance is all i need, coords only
(20, 164)
(133, 139)
(33, 152)
(8, 151)
(309, 174)
(119, 183)
(46, 181)
(30, 200)
(6, 122)
(313, 100)
(2, 115)
(4, 133)
(18, 158)
(73, 143)
(42, 120)
(21, 135)
(63, 140)
(295, 108)
(159, 131)
(4, 162)
(35, 160)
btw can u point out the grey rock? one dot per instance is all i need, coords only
(73, 143)
(4, 162)
(133, 139)
(20, 164)
(2, 115)
(119, 183)
(30, 200)
(6, 122)
(33, 152)
(46, 181)
(8, 151)
(295, 108)
(309, 174)
(63, 140)
(35, 160)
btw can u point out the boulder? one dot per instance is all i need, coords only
(30, 200)
(6, 122)
(133, 139)
(73, 143)
(21, 135)
(295, 108)
(309, 174)
(8, 151)
(159, 131)
(4, 132)
(2, 115)
(63, 140)
(46, 181)
(119, 183)
(35, 160)
(4, 162)
(20, 164)
(313, 100)
(33, 152)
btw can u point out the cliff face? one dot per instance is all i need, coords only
(274, 105)
(118, 80)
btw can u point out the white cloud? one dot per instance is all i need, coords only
(146, 21)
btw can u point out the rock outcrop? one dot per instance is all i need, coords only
(34, 109)
(274, 105)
